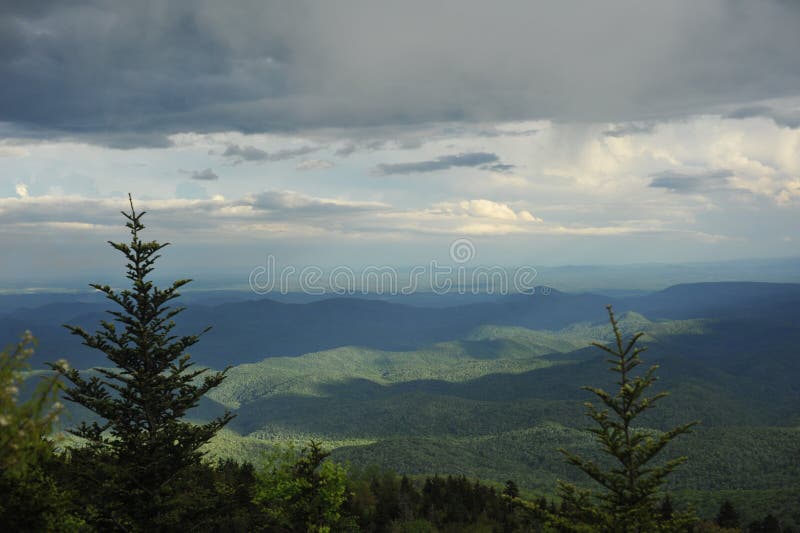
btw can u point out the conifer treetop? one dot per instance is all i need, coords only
(631, 486)
(150, 384)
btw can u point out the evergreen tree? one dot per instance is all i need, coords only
(727, 515)
(628, 502)
(770, 524)
(511, 490)
(407, 499)
(667, 510)
(137, 452)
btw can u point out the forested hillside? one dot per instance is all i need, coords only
(497, 401)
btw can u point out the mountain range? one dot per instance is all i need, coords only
(246, 329)
(491, 389)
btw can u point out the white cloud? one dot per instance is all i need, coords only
(487, 209)
(481, 208)
(718, 178)
(295, 212)
(12, 151)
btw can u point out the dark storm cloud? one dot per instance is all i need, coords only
(785, 118)
(204, 175)
(245, 153)
(503, 133)
(130, 73)
(346, 150)
(679, 182)
(473, 159)
(500, 167)
(370, 145)
(251, 153)
(31, 7)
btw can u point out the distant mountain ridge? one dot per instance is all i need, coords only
(249, 330)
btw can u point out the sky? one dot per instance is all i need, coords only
(372, 133)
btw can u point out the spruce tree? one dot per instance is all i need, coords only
(667, 510)
(727, 516)
(511, 489)
(628, 502)
(140, 447)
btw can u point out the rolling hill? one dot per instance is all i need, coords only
(492, 389)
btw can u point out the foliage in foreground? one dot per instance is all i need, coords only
(29, 496)
(301, 491)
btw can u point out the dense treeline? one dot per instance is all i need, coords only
(139, 466)
(229, 497)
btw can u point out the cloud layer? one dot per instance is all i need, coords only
(474, 159)
(555, 131)
(241, 154)
(681, 182)
(85, 68)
